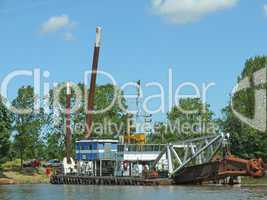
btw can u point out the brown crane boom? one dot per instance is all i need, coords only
(90, 103)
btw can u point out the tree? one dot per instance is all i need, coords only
(114, 118)
(159, 135)
(246, 141)
(28, 141)
(190, 119)
(5, 131)
(193, 117)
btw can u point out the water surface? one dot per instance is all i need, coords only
(71, 192)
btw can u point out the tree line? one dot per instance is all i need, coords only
(41, 134)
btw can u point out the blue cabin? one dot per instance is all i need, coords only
(96, 149)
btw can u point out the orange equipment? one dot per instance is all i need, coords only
(235, 166)
(139, 138)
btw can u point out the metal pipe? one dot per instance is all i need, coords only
(68, 128)
(90, 103)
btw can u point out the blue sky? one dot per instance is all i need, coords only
(201, 42)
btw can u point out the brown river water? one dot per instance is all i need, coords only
(71, 192)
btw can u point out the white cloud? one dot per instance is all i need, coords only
(56, 23)
(265, 9)
(68, 36)
(59, 24)
(186, 11)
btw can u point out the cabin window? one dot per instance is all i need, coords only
(83, 147)
(84, 157)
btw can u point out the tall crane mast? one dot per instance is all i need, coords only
(68, 128)
(90, 103)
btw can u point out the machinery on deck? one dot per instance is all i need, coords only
(228, 168)
(197, 160)
(138, 138)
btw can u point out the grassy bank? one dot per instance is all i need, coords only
(18, 177)
(11, 173)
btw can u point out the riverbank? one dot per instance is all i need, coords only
(11, 173)
(19, 177)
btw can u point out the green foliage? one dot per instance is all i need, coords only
(116, 115)
(190, 119)
(5, 131)
(246, 142)
(28, 141)
(11, 165)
